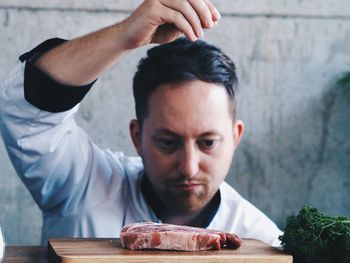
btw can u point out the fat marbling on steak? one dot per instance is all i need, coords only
(149, 235)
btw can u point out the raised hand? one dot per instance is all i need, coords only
(162, 21)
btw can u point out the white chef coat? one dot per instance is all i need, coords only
(84, 191)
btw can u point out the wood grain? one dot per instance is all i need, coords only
(106, 250)
(25, 254)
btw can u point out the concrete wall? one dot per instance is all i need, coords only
(296, 148)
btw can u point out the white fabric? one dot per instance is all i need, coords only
(2, 245)
(84, 191)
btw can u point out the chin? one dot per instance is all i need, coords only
(185, 206)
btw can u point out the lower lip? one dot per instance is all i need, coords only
(191, 187)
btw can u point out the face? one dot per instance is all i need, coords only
(187, 143)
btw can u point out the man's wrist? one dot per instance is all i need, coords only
(44, 92)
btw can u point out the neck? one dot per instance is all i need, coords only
(199, 218)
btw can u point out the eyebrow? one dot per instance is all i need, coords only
(164, 131)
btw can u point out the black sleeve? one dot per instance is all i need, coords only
(41, 90)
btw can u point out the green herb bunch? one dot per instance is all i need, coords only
(312, 237)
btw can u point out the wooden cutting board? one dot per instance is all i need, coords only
(106, 250)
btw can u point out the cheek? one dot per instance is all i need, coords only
(157, 164)
(218, 164)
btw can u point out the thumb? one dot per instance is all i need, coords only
(166, 33)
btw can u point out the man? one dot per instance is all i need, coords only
(186, 130)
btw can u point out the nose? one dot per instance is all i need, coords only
(188, 161)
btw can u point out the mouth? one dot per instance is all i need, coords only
(187, 186)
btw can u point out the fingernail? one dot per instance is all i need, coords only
(210, 24)
(199, 33)
(216, 15)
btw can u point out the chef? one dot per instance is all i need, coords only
(185, 131)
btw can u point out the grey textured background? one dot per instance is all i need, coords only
(288, 53)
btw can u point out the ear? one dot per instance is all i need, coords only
(238, 132)
(136, 135)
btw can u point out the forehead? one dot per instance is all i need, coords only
(196, 106)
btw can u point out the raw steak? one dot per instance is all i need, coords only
(149, 235)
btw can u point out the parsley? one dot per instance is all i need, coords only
(312, 236)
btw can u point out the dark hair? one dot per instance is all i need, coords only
(181, 61)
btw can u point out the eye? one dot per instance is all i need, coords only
(207, 143)
(168, 144)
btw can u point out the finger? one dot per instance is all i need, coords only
(166, 33)
(172, 16)
(214, 11)
(203, 11)
(185, 8)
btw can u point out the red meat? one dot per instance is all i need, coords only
(149, 235)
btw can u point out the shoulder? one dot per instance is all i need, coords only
(238, 215)
(130, 165)
(239, 207)
(234, 204)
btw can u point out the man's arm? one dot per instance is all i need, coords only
(82, 60)
(50, 152)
